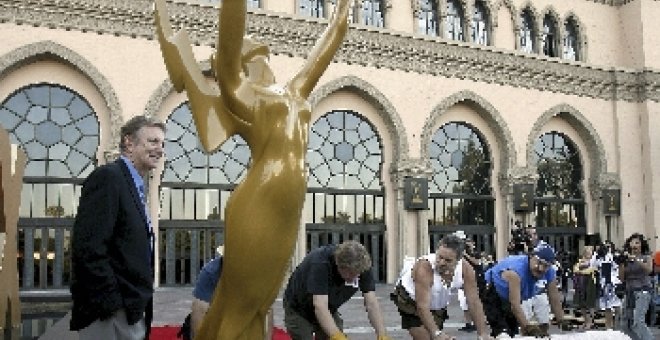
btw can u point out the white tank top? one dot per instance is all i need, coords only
(440, 291)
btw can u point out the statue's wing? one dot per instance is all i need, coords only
(213, 120)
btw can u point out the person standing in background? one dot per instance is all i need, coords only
(608, 274)
(112, 241)
(586, 288)
(634, 270)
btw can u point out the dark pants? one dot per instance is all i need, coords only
(300, 328)
(498, 313)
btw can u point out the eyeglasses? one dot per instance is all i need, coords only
(542, 262)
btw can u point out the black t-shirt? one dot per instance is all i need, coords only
(318, 275)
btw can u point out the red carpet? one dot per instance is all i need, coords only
(169, 333)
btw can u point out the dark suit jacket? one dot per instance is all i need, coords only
(111, 252)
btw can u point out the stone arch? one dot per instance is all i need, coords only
(528, 5)
(586, 131)
(503, 3)
(550, 10)
(385, 109)
(507, 152)
(37, 51)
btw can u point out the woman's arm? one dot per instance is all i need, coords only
(323, 52)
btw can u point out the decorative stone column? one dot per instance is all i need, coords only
(413, 226)
(507, 181)
(608, 226)
(414, 4)
(357, 12)
(387, 13)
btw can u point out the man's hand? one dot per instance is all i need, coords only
(532, 330)
(339, 336)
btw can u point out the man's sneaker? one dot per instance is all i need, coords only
(503, 335)
(469, 327)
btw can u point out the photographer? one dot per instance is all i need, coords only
(521, 243)
(634, 270)
(608, 279)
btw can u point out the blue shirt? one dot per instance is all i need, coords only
(139, 185)
(520, 265)
(208, 279)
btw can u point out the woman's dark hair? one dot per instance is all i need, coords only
(642, 240)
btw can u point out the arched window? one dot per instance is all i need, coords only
(527, 32)
(559, 167)
(428, 17)
(312, 8)
(480, 24)
(550, 37)
(59, 132)
(57, 129)
(559, 202)
(460, 189)
(372, 13)
(345, 196)
(344, 152)
(454, 23)
(571, 48)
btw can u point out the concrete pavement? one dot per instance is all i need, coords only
(172, 304)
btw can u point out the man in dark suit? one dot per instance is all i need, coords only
(112, 241)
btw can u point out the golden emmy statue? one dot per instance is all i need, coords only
(12, 164)
(263, 213)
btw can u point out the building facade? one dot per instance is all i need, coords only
(435, 116)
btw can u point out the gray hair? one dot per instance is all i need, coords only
(353, 256)
(454, 243)
(131, 127)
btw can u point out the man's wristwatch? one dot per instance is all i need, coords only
(437, 333)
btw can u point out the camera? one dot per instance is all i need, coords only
(521, 242)
(618, 256)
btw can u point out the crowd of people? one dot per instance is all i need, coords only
(112, 287)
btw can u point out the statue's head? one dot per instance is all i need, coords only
(254, 58)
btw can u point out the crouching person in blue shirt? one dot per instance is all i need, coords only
(513, 280)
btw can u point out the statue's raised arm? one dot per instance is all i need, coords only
(214, 123)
